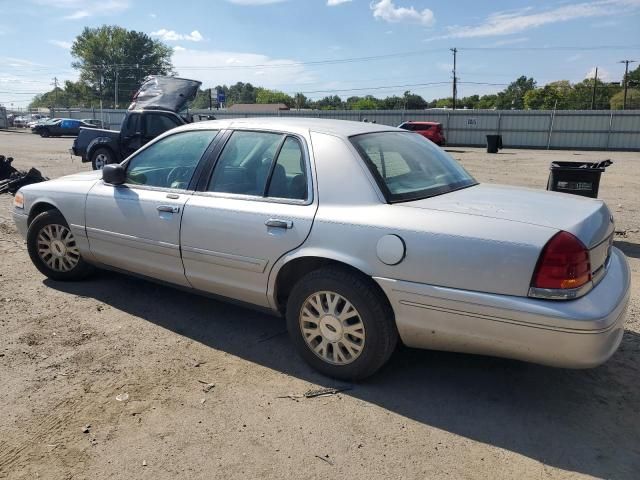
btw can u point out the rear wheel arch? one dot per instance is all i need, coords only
(294, 270)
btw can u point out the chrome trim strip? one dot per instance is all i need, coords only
(132, 241)
(224, 259)
(508, 320)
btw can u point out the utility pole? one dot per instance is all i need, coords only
(116, 92)
(55, 91)
(455, 78)
(626, 80)
(593, 97)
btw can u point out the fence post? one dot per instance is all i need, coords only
(499, 122)
(551, 118)
(609, 132)
(448, 123)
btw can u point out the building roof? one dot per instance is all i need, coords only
(257, 107)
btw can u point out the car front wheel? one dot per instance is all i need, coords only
(44, 133)
(100, 158)
(53, 248)
(341, 324)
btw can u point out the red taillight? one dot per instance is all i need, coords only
(564, 264)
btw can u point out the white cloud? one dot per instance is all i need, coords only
(603, 75)
(507, 23)
(386, 10)
(281, 74)
(255, 2)
(173, 36)
(61, 44)
(86, 8)
(333, 3)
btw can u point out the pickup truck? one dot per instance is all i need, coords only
(152, 112)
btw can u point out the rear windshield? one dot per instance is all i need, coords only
(409, 167)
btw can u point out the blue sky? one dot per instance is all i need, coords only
(273, 43)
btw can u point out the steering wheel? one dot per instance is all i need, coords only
(179, 175)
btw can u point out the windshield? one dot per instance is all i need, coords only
(407, 166)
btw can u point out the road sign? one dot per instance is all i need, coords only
(221, 97)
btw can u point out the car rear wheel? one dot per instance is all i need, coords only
(44, 133)
(100, 158)
(340, 324)
(53, 248)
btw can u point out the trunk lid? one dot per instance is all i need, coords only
(586, 218)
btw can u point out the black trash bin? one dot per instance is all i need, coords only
(578, 178)
(494, 143)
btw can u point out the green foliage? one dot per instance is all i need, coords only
(74, 94)
(512, 97)
(264, 95)
(633, 100)
(102, 51)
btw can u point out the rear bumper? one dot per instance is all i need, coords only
(580, 333)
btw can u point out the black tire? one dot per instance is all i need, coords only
(97, 156)
(52, 218)
(374, 311)
(44, 133)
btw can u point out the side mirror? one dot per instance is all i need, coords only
(113, 174)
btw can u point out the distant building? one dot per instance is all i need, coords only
(257, 107)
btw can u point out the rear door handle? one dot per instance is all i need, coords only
(168, 208)
(276, 223)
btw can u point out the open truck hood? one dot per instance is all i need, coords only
(588, 219)
(165, 93)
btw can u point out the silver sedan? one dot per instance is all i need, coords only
(360, 235)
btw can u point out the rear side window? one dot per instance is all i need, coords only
(261, 164)
(157, 124)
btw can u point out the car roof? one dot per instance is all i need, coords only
(419, 122)
(340, 128)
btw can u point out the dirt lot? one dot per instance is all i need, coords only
(68, 353)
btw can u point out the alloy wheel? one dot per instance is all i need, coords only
(57, 248)
(332, 328)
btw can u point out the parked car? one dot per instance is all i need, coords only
(93, 121)
(58, 127)
(154, 111)
(359, 234)
(39, 121)
(431, 130)
(20, 122)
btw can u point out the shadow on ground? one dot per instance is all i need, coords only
(572, 420)
(631, 250)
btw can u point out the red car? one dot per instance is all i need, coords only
(430, 130)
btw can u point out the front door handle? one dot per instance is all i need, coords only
(276, 223)
(168, 208)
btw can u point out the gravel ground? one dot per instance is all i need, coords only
(110, 378)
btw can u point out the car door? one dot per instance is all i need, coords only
(257, 205)
(131, 134)
(136, 226)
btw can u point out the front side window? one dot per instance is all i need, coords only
(410, 167)
(170, 162)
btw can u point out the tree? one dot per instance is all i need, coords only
(367, 103)
(74, 94)
(330, 103)
(512, 97)
(264, 95)
(300, 101)
(102, 53)
(633, 100)
(487, 102)
(413, 101)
